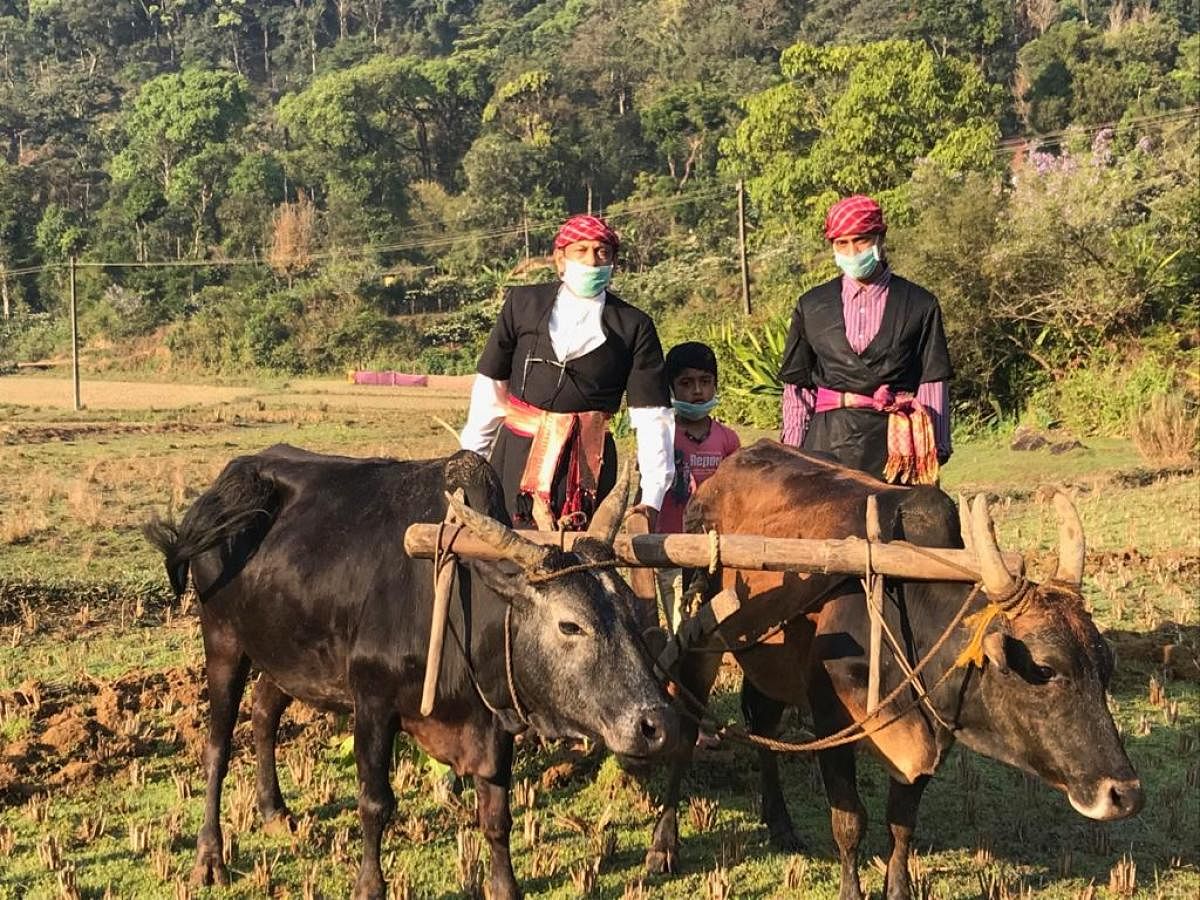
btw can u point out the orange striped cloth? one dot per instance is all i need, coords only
(578, 434)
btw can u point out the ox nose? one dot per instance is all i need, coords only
(1112, 799)
(1126, 798)
(656, 728)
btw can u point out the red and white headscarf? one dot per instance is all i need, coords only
(586, 228)
(858, 214)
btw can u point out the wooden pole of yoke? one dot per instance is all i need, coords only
(847, 556)
(873, 589)
(443, 584)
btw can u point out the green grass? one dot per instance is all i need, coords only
(69, 537)
(1027, 827)
(991, 465)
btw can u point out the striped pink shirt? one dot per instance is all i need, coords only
(862, 309)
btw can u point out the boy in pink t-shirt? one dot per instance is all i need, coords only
(701, 442)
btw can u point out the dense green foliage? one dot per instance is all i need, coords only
(388, 159)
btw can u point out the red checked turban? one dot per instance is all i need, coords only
(854, 215)
(585, 228)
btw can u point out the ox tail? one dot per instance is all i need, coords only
(236, 512)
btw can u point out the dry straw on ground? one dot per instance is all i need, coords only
(1167, 432)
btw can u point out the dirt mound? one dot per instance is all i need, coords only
(93, 728)
(1172, 649)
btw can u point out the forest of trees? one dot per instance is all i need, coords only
(316, 169)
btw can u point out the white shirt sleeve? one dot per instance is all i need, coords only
(654, 428)
(489, 400)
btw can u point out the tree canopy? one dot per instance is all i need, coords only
(436, 143)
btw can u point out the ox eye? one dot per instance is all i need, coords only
(570, 629)
(1044, 674)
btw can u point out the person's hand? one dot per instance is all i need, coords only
(649, 512)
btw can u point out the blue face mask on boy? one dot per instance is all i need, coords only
(694, 411)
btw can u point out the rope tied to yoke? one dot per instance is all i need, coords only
(714, 551)
(444, 555)
(855, 731)
(543, 577)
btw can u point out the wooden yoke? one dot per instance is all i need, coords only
(848, 556)
(445, 567)
(641, 580)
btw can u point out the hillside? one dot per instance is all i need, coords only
(289, 186)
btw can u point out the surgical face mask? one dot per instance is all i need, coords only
(859, 265)
(694, 411)
(584, 280)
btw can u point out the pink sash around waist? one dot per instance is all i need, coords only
(911, 445)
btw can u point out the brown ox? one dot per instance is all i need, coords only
(1037, 703)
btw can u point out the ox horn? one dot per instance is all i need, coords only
(609, 516)
(511, 545)
(996, 580)
(1072, 547)
(964, 522)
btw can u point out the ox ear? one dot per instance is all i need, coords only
(995, 649)
(509, 584)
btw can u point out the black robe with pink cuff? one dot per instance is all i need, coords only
(909, 350)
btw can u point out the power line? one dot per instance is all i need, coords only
(1139, 123)
(332, 253)
(517, 228)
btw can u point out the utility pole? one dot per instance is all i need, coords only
(741, 198)
(74, 335)
(525, 226)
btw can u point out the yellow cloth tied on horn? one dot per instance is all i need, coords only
(1010, 607)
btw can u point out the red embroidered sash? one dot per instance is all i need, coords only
(581, 436)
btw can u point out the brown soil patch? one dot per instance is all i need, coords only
(40, 434)
(1170, 649)
(95, 728)
(91, 729)
(442, 392)
(58, 393)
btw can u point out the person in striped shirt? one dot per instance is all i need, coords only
(865, 367)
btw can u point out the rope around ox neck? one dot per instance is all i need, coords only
(855, 731)
(508, 667)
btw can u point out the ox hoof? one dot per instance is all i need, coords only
(374, 891)
(369, 885)
(662, 862)
(208, 872)
(787, 842)
(282, 824)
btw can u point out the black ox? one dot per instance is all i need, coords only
(1036, 700)
(298, 562)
